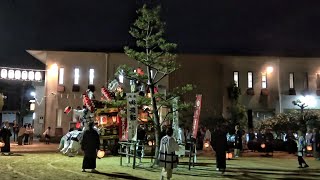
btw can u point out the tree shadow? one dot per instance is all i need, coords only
(119, 175)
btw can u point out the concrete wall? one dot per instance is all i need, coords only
(206, 73)
(105, 66)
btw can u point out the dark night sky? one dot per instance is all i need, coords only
(255, 27)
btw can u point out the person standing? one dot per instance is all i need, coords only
(167, 158)
(301, 144)
(5, 134)
(316, 144)
(15, 130)
(47, 135)
(31, 134)
(21, 134)
(220, 145)
(238, 141)
(207, 138)
(90, 145)
(26, 135)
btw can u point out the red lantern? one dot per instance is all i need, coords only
(67, 110)
(105, 93)
(78, 125)
(140, 71)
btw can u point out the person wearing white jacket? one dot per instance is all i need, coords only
(167, 158)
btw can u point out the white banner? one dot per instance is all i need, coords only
(132, 115)
(175, 119)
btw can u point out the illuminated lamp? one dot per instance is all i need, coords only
(32, 106)
(78, 125)
(309, 148)
(17, 74)
(31, 75)
(37, 76)
(114, 119)
(2, 144)
(269, 69)
(229, 155)
(263, 145)
(100, 154)
(11, 74)
(206, 145)
(4, 73)
(24, 75)
(150, 143)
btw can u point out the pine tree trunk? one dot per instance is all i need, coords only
(156, 119)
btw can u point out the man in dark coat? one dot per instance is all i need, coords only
(5, 134)
(220, 145)
(90, 145)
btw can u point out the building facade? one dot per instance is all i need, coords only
(268, 84)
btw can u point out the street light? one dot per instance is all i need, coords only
(33, 94)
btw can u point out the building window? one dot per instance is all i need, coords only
(236, 78)
(91, 76)
(61, 76)
(59, 117)
(291, 80)
(250, 82)
(121, 77)
(76, 76)
(264, 80)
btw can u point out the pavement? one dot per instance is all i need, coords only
(36, 147)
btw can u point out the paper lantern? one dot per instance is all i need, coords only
(37, 76)
(263, 145)
(206, 145)
(100, 154)
(309, 148)
(150, 143)
(2, 144)
(67, 110)
(228, 155)
(4, 73)
(78, 125)
(17, 74)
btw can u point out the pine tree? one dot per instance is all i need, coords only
(155, 52)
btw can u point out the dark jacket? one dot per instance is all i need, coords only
(90, 142)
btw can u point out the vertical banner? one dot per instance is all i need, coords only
(175, 118)
(196, 115)
(132, 115)
(123, 133)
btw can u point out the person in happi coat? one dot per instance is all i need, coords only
(167, 158)
(90, 145)
(220, 146)
(5, 134)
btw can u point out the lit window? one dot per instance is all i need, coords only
(11, 74)
(76, 76)
(37, 76)
(121, 77)
(236, 78)
(91, 76)
(250, 82)
(4, 73)
(31, 75)
(61, 75)
(291, 80)
(24, 75)
(17, 74)
(264, 80)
